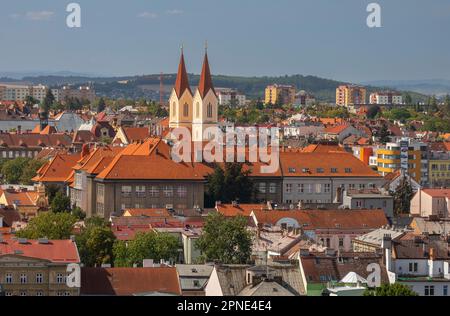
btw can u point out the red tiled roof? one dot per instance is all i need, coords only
(152, 212)
(58, 169)
(10, 140)
(129, 281)
(437, 192)
(205, 84)
(229, 210)
(336, 129)
(134, 134)
(182, 82)
(21, 198)
(327, 219)
(57, 251)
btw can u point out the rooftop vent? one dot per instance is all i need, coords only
(43, 241)
(22, 241)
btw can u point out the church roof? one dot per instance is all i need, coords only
(205, 83)
(182, 82)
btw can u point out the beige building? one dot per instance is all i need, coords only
(16, 92)
(37, 267)
(283, 94)
(431, 202)
(348, 95)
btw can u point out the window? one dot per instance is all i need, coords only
(272, 188)
(301, 188)
(197, 110)
(8, 278)
(39, 278)
(23, 278)
(309, 188)
(140, 191)
(209, 110)
(182, 191)
(59, 278)
(445, 290)
(327, 188)
(292, 170)
(348, 170)
(23, 293)
(429, 290)
(262, 187)
(318, 188)
(100, 191)
(341, 242)
(126, 191)
(413, 267)
(168, 191)
(320, 170)
(334, 170)
(185, 110)
(39, 293)
(289, 188)
(154, 191)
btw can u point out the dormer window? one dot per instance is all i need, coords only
(334, 170)
(320, 170)
(292, 170)
(348, 170)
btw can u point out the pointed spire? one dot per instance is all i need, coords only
(182, 82)
(205, 83)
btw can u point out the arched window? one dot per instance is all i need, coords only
(197, 110)
(185, 110)
(209, 110)
(174, 109)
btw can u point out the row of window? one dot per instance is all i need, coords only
(319, 170)
(17, 154)
(39, 278)
(37, 293)
(435, 167)
(209, 110)
(154, 191)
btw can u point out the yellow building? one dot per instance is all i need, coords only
(280, 94)
(439, 172)
(389, 160)
(348, 95)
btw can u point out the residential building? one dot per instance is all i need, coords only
(27, 203)
(369, 199)
(15, 92)
(303, 98)
(430, 226)
(231, 97)
(348, 95)
(431, 202)
(127, 135)
(319, 269)
(386, 98)
(280, 94)
(82, 93)
(394, 179)
(275, 279)
(147, 281)
(321, 177)
(340, 132)
(439, 173)
(421, 263)
(334, 229)
(37, 267)
(193, 278)
(373, 241)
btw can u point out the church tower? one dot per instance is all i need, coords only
(180, 101)
(205, 105)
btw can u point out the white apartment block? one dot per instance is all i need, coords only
(231, 97)
(9, 92)
(386, 98)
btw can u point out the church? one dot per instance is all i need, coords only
(195, 111)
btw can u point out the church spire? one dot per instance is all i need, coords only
(182, 82)
(205, 83)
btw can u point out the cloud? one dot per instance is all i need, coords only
(39, 15)
(175, 12)
(147, 15)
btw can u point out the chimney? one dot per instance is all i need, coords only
(85, 150)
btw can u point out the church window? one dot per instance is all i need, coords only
(209, 111)
(186, 110)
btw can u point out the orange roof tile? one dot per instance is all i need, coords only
(336, 129)
(57, 251)
(442, 193)
(152, 212)
(230, 210)
(327, 219)
(134, 134)
(58, 169)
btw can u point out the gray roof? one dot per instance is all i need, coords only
(266, 288)
(193, 276)
(376, 237)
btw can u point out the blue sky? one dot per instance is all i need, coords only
(327, 38)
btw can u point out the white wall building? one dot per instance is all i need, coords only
(230, 97)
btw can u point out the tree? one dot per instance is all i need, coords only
(384, 134)
(226, 240)
(396, 289)
(373, 111)
(148, 245)
(49, 225)
(60, 203)
(95, 243)
(402, 196)
(228, 184)
(447, 105)
(408, 99)
(101, 105)
(78, 213)
(48, 101)
(29, 171)
(12, 170)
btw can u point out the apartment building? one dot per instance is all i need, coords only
(404, 155)
(86, 93)
(10, 92)
(348, 95)
(231, 97)
(280, 94)
(439, 169)
(431, 202)
(322, 177)
(37, 267)
(386, 98)
(303, 98)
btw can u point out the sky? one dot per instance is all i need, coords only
(326, 38)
